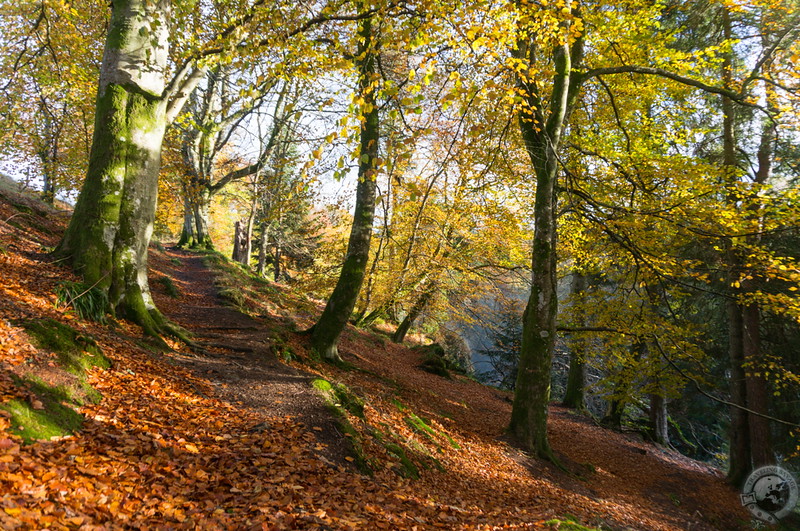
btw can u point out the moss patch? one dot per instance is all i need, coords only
(407, 467)
(76, 352)
(50, 415)
(169, 286)
(331, 395)
(568, 524)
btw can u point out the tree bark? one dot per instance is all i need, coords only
(111, 226)
(187, 238)
(756, 388)
(740, 458)
(532, 392)
(659, 419)
(262, 251)
(336, 314)
(419, 306)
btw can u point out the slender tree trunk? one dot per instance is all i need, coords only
(739, 446)
(262, 251)
(238, 243)
(248, 244)
(336, 314)
(187, 238)
(576, 377)
(757, 391)
(416, 311)
(276, 263)
(659, 419)
(110, 229)
(201, 204)
(542, 138)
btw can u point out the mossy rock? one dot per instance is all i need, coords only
(77, 352)
(435, 365)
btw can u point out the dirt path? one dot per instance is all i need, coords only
(238, 357)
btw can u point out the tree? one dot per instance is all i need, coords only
(218, 110)
(108, 235)
(325, 333)
(50, 59)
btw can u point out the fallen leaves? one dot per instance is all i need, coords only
(161, 450)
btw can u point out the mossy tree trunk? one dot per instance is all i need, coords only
(111, 226)
(197, 201)
(415, 311)
(336, 314)
(187, 238)
(532, 392)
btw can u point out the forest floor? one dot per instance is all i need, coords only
(234, 433)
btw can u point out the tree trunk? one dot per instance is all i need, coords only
(187, 238)
(276, 263)
(739, 440)
(201, 202)
(416, 310)
(340, 305)
(542, 138)
(262, 251)
(110, 229)
(239, 237)
(659, 419)
(248, 241)
(576, 377)
(613, 416)
(756, 387)
(739, 446)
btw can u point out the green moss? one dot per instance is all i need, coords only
(407, 467)
(54, 419)
(331, 395)
(420, 426)
(349, 401)
(324, 386)
(25, 209)
(452, 442)
(176, 261)
(569, 524)
(76, 352)
(233, 297)
(169, 286)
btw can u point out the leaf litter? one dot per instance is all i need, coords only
(232, 438)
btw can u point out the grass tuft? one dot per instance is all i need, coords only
(89, 302)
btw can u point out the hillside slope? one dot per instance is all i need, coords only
(248, 431)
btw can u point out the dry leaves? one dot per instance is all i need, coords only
(162, 451)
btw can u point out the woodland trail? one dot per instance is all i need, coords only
(238, 355)
(234, 437)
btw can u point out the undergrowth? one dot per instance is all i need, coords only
(89, 302)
